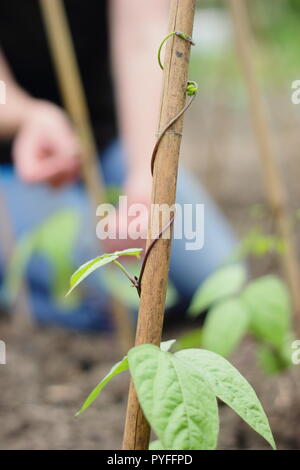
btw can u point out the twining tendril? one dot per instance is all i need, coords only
(139, 280)
(191, 91)
(173, 33)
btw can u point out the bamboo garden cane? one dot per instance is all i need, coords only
(275, 190)
(154, 284)
(22, 308)
(73, 94)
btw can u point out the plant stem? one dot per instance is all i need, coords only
(155, 277)
(127, 274)
(274, 186)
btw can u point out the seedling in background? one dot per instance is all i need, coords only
(235, 308)
(261, 308)
(53, 240)
(178, 392)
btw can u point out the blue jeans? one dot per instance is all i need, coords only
(29, 205)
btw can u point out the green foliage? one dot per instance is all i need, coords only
(274, 361)
(178, 393)
(191, 339)
(91, 266)
(268, 304)
(176, 400)
(262, 309)
(166, 346)
(54, 239)
(231, 387)
(221, 284)
(115, 370)
(156, 445)
(259, 244)
(225, 326)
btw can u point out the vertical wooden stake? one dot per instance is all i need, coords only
(22, 308)
(154, 284)
(73, 94)
(273, 183)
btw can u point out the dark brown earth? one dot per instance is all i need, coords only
(50, 372)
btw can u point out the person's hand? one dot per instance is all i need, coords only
(132, 225)
(46, 149)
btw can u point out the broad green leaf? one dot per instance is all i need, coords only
(116, 369)
(269, 306)
(176, 400)
(231, 387)
(156, 445)
(274, 360)
(224, 327)
(55, 239)
(88, 268)
(57, 234)
(223, 283)
(268, 360)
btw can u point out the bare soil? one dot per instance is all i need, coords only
(50, 372)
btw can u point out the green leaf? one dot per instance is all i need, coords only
(268, 360)
(57, 234)
(269, 306)
(176, 400)
(259, 244)
(116, 369)
(54, 239)
(224, 327)
(88, 268)
(156, 445)
(129, 252)
(192, 339)
(223, 283)
(165, 346)
(273, 360)
(231, 387)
